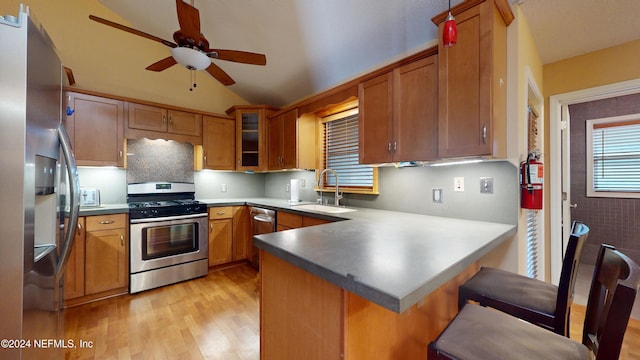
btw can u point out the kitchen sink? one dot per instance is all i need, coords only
(324, 208)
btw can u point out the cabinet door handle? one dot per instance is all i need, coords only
(107, 222)
(79, 228)
(121, 240)
(221, 213)
(395, 145)
(164, 119)
(120, 154)
(484, 133)
(389, 147)
(205, 159)
(210, 228)
(170, 120)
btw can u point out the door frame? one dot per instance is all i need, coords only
(558, 104)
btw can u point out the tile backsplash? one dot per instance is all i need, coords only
(159, 160)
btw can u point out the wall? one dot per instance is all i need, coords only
(611, 220)
(112, 61)
(524, 69)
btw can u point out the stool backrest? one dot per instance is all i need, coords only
(614, 286)
(569, 273)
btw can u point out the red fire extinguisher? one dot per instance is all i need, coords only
(531, 179)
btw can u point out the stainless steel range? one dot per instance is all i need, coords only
(168, 235)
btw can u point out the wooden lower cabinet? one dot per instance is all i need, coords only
(228, 232)
(98, 265)
(319, 320)
(288, 221)
(74, 271)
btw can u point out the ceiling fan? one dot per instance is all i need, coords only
(191, 48)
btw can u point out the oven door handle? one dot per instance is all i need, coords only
(167, 218)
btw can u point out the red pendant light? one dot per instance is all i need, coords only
(450, 31)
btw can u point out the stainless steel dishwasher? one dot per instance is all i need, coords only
(263, 221)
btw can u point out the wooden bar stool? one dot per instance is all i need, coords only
(483, 333)
(533, 300)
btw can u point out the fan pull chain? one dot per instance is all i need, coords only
(193, 80)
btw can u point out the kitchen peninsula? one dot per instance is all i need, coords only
(379, 285)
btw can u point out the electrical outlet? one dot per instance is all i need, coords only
(286, 188)
(223, 187)
(458, 183)
(303, 183)
(486, 185)
(437, 196)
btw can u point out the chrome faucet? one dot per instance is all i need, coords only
(320, 183)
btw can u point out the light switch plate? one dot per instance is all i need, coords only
(486, 185)
(458, 183)
(223, 187)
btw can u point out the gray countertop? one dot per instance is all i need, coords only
(393, 259)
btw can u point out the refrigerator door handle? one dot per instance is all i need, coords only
(74, 209)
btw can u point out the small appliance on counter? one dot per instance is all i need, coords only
(89, 197)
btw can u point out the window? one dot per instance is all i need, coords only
(340, 152)
(613, 157)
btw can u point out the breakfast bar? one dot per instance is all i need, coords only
(379, 285)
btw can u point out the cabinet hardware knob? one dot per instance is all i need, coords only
(121, 240)
(79, 228)
(106, 222)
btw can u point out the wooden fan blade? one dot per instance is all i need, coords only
(238, 56)
(189, 20)
(162, 64)
(219, 74)
(132, 31)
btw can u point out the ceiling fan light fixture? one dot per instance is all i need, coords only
(190, 58)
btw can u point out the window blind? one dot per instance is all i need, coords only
(616, 156)
(532, 244)
(341, 154)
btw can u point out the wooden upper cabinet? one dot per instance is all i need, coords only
(146, 117)
(283, 141)
(415, 110)
(376, 115)
(96, 130)
(472, 83)
(160, 123)
(186, 123)
(398, 114)
(219, 143)
(251, 136)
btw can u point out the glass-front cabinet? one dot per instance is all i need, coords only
(251, 137)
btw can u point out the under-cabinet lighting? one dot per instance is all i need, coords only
(458, 162)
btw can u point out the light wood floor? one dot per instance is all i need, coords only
(215, 317)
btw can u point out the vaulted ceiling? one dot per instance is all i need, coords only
(314, 45)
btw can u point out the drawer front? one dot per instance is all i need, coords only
(289, 220)
(311, 221)
(106, 222)
(221, 212)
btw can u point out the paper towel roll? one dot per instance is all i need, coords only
(295, 191)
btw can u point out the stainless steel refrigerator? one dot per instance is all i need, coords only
(38, 192)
